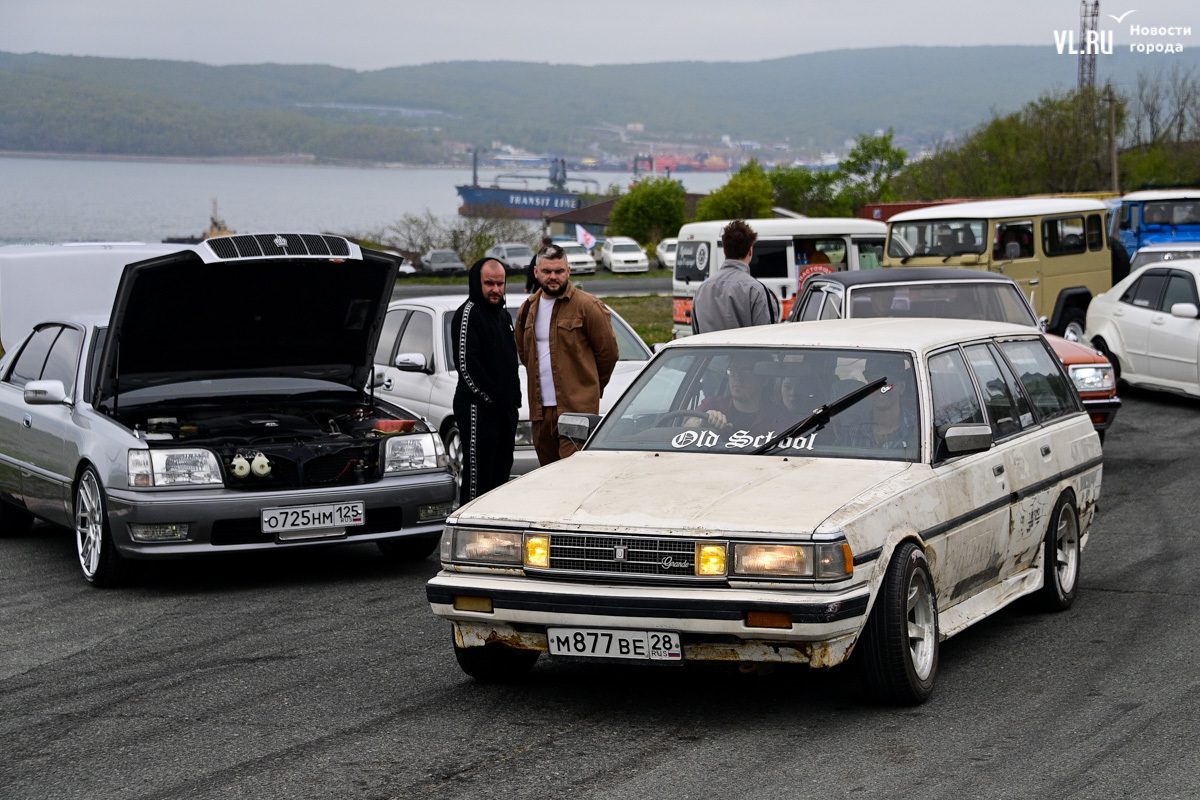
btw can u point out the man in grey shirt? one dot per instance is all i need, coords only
(732, 298)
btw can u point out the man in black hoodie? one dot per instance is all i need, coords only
(489, 388)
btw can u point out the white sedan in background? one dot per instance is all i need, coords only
(415, 361)
(1147, 326)
(578, 258)
(622, 254)
(666, 253)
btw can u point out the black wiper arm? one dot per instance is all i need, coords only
(822, 415)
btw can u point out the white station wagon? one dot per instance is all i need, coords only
(913, 479)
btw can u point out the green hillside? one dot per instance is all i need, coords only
(101, 105)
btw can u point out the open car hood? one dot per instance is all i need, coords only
(181, 318)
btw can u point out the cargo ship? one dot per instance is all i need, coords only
(510, 194)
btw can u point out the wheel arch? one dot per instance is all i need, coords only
(1073, 298)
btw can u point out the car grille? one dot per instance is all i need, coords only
(268, 244)
(623, 555)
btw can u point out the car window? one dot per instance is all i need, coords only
(628, 346)
(627, 248)
(1095, 232)
(1018, 233)
(28, 366)
(809, 308)
(1007, 409)
(1146, 290)
(387, 340)
(833, 306)
(937, 237)
(1041, 374)
(1063, 236)
(955, 401)
(734, 400)
(998, 302)
(1180, 289)
(418, 336)
(63, 361)
(769, 260)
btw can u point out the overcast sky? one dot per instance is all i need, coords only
(374, 34)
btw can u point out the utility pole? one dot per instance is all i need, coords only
(1089, 16)
(1112, 138)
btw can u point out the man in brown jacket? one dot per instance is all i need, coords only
(566, 342)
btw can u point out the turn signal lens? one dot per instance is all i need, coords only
(834, 560)
(768, 619)
(710, 560)
(537, 550)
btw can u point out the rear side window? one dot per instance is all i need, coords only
(769, 260)
(29, 364)
(418, 336)
(1041, 374)
(1146, 290)
(1063, 236)
(387, 340)
(1095, 232)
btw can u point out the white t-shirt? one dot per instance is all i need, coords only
(541, 329)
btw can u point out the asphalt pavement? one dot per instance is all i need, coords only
(323, 674)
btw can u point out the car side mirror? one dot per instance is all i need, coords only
(45, 393)
(657, 347)
(411, 362)
(967, 438)
(577, 427)
(1185, 310)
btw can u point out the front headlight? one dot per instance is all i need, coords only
(822, 561)
(415, 451)
(524, 436)
(1092, 377)
(499, 547)
(173, 468)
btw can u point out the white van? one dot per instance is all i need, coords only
(786, 253)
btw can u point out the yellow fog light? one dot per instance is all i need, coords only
(710, 560)
(537, 550)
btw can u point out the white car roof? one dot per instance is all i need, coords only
(621, 240)
(1162, 194)
(991, 209)
(809, 226)
(915, 335)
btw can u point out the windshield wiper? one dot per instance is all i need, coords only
(822, 415)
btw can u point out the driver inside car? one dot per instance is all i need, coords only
(746, 406)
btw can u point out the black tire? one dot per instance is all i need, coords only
(495, 663)
(1073, 324)
(1102, 346)
(897, 654)
(1060, 556)
(452, 439)
(408, 548)
(102, 565)
(14, 521)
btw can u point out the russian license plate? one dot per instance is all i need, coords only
(310, 522)
(606, 643)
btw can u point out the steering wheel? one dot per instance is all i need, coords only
(682, 414)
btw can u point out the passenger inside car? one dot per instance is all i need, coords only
(887, 419)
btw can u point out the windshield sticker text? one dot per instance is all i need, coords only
(740, 440)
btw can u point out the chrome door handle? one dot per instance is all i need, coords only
(1033, 282)
(27, 421)
(998, 470)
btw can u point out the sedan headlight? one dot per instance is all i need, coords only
(173, 468)
(417, 451)
(794, 560)
(498, 547)
(524, 437)
(1093, 377)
